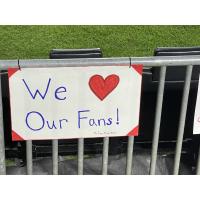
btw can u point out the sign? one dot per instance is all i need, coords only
(196, 127)
(74, 102)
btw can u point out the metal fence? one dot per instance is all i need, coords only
(162, 62)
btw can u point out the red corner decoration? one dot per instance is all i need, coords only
(11, 71)
(16, 137)
(134, 132)
(138, 68)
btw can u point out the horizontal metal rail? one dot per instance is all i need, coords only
(156, 61)
(5, 64)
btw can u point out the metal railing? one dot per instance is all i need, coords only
(162, 62)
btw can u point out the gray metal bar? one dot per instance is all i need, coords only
(105, 156)
(157, 120)
(43, 63)
(2, 145)
(29, 157)
(155, 61)
(55, 156)
(5, 64)
(129, 161)
(181, 126)
(198, 163)
(158, 61)
(80, 155)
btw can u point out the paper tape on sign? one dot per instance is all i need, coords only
(196, 127)
(75, 102)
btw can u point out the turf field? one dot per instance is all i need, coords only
(36, 41)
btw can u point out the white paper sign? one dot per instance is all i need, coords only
(196, 128)
(74, 102)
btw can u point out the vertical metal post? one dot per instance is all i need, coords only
(157, 120)
(129, 161)
(105, 156)
(29, 157)
(55, 156)
(80, 155)
(181, 126)
(2, 145)
(198, 163)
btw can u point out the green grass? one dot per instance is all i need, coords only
(36, 41)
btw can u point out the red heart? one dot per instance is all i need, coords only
(102, 88)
